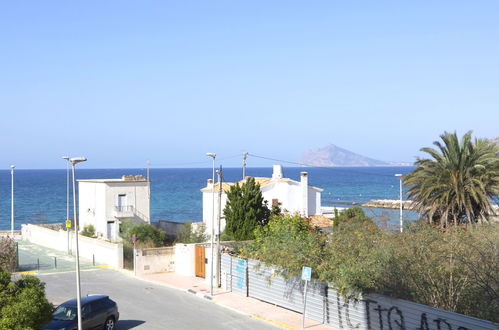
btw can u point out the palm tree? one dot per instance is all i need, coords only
(456, 186)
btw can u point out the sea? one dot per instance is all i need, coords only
(40, 195)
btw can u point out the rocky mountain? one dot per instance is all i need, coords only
(332, 155)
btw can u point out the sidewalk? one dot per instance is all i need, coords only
(278, 316)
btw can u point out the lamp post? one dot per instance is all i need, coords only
(213, 156)
(401, 219)
(75, 161)
(67, 193)
(12, 167)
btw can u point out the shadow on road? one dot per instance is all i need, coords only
(128, 324)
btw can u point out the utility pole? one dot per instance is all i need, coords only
(12, 167)
(219, 172)
(400, 200)
(148, 164)
(245, 155)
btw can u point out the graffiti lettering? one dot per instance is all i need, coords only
(423, 323)
(440, 321)
(368, 312)
(347, 314)
(380, 315)
(400, 323)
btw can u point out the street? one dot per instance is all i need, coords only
(144, 305)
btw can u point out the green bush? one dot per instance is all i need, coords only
(188, 234)
(23, 304)
(8, 254)
(88, 231)
(288, 242)
(456, 269)
(147, 235)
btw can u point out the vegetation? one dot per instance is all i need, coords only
(457, 184)
(8, 254)
(88, 231)
(188, 234)
(288, 242)
(147, 235)
(456, 269)
(245, 211)
(23, 304)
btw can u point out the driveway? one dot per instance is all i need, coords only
(144, 305)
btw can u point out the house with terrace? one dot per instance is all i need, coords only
(292, 196)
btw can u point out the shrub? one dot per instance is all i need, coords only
(188, 234)
(23, 304)
(355, 257)
(147, 235)
(8, 254)
(88, 231)
(288, 242)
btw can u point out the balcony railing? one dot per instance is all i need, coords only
(124, 211)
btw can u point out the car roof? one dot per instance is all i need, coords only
(85, 300)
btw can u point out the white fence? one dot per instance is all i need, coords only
(104, 252)
(253, 279)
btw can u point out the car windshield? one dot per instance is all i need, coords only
(65, 313)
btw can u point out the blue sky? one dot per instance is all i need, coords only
(121, 82)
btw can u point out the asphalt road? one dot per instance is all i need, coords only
(143, 305)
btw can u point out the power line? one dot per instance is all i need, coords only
(315, 166)
(194, 163)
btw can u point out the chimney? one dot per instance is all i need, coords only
(277, 172)
(304, 193)
(209, 184)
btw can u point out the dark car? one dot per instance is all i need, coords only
(98, 312)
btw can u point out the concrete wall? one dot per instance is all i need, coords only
(185, 259)
(155, 260)
(105, 252)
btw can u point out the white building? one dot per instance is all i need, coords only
(103, 203)
(292, 196)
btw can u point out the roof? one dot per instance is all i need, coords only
(124, 179)
(262, 181)
(85, 299)
(320, 221)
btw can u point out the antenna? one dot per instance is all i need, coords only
(148, 164)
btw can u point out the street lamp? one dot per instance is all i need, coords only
(213, 156)
(401, 220)
(67, 192)
(75, 161)
(12, 167)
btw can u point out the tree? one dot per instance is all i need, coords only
(23, 304)
(457, 184)
(353, 214)
(187, 234)
(245, 210)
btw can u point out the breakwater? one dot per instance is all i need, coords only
(389, 204)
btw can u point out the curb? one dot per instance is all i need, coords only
(200, 295)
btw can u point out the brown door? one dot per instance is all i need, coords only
(200, 261)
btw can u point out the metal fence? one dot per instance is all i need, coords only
(253, 279)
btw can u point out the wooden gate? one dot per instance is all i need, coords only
(200, 266)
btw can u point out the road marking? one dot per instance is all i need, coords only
(276, 323)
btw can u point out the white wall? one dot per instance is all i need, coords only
(185, 259)
(155, 260)
(97, 201)
(289, 195)
(137, 193)
(104, 252)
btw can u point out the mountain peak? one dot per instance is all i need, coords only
(332, 155)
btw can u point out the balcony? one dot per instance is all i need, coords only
(124, 211)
